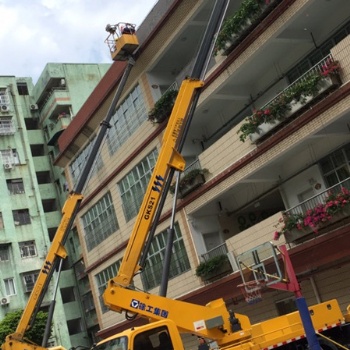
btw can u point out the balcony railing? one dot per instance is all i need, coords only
(163, 107)
(302, 93)
(320, 198)
(190, 179)
(217, 251)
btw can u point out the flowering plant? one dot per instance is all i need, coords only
(252, 122)
(336, 202)
(330, 67)
(276, 109)
(286, 223)
(315, 217)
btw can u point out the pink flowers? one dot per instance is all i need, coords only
(314, 218)
(330, 67)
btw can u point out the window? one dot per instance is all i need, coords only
(9, 286)
(6, 126)
(103, 277)
(29, 280)
(1, 222)
(79, 162)
(4, 253)
(133, 186)
(336, 166)
(4, 97)
(99, 222)
(22, 88)
(15, 186)
(21, 217)
(9, 156)
(88, 302)
(27, 249)
(152, 274)
(129, 115)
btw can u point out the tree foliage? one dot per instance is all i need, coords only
(9, 324)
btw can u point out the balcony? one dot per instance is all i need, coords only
(215, 264)
(163, 107)
(317, 215)
(56, 128)
(236, 27)
(56, 98)
(53, 219)
(35, 137)
(41, 163)
(190, 179)
(47, 191)
(301, 94)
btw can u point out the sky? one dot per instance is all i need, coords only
(36, 32)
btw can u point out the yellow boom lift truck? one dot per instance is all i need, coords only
(169, 318)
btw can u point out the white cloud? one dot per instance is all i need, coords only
(33, 33)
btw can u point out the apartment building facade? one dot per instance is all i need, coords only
(270, 134)
(31, 118)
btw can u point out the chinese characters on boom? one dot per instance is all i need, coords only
(136, 304)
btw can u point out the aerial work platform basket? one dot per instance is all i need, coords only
(122, 40)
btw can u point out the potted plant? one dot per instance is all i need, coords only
(249, 12)
(331, 69)
(214, 268)
(190, 181)
(163, 107)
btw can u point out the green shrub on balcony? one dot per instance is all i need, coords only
(189, 180)
(213, 267)
(248, 13)
(163, 107)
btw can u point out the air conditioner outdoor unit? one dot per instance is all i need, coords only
(34, 107)
(4, 108)
(7, 166)
(5, 301)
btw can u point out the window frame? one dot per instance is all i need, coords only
(180, 263)
(102, 279)
(34, 276)
(9, 286)
(99, 222)
(4, 253)
(133, 185)
(29, 247)
(21, 217)
(130, 114)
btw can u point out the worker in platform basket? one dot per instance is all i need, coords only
(128, 29)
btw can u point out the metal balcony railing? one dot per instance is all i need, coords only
(316, 69)
(312, 202)
(217, 251)
(193, 166)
